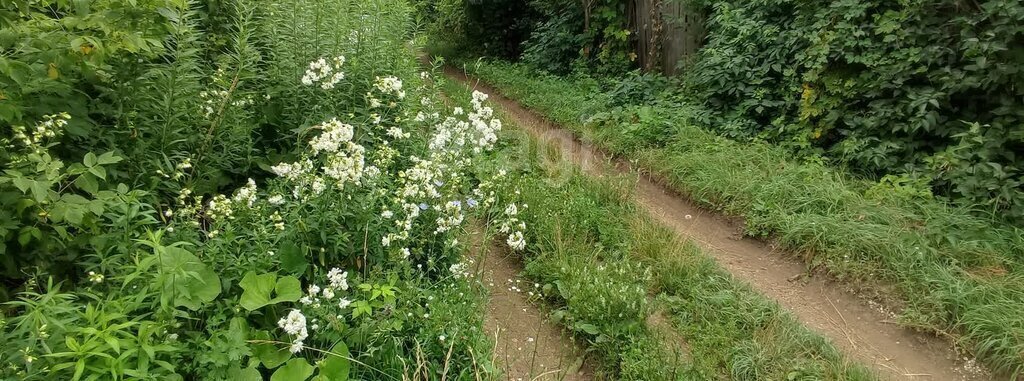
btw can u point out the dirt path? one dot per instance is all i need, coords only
(864, 332)
(527, 346)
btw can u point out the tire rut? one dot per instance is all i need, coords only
(865, 333)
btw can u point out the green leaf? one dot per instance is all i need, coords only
(588, 328)
(39, 191)
(295, 370)
(87, 183)
(244, 374)
(265, 289)
(271, 355)
(108, 158)
(336, 366)
(192, 282)
(99, 172)
(90, 160)
(293, 258)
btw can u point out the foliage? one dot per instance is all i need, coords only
(611, 274)
(230, 189)
(954, 272)
(555, 35)
(928, 87)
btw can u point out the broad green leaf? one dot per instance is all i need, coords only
(192, 282)
(89, 160)
(244, 374)
(99, 172)
(293, 258)
(265, 289)
(108, 158)
(88, 183)
(336, 366)
(271, 355)
(295, 370)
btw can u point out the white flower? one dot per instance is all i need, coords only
(295, 324)
(387, 214)
(343, 302)
(335, 134)
(338, 278)
(328, 293)
(276, 199)
(389, 85)
(516, 241)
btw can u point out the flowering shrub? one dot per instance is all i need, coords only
(340, 259)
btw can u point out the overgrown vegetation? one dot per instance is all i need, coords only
(554, 35)
(608, 269)
(926, 91)
(955, 274)
(232, 190)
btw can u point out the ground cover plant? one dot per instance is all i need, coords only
(954, 273)
(276, 193)
(607, 268)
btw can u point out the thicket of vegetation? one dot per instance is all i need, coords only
(954, 273)
(234, 190)
(924, 93)
(650, 307)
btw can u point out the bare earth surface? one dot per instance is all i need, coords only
(527, 345)
(864, 332)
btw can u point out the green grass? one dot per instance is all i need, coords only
(607, 269)
(949, 270)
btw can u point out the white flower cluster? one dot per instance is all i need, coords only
(508, 222)
(450, 216)
(326, 73)
(295, 324)
(461, 269)
(50, 127)
(210, 99)
(292, 171)
(478, 132)
(335, 134)
(319, 301)
(220, 207)
(246, 194)
(390, 85)
(342, 160)
(513, 227)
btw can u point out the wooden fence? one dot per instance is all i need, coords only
(668, 33)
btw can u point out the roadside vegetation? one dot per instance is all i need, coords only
(610, 273)
(239, 190)
(945, 269)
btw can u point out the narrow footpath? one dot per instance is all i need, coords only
(865, 332)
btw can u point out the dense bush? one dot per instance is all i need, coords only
(233, 189)
(930, 88)
(555, 35)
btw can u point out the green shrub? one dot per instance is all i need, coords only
(924, 86)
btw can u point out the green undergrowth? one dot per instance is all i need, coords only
(949, 270)
(610, 272)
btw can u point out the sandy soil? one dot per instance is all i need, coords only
(527, 345)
